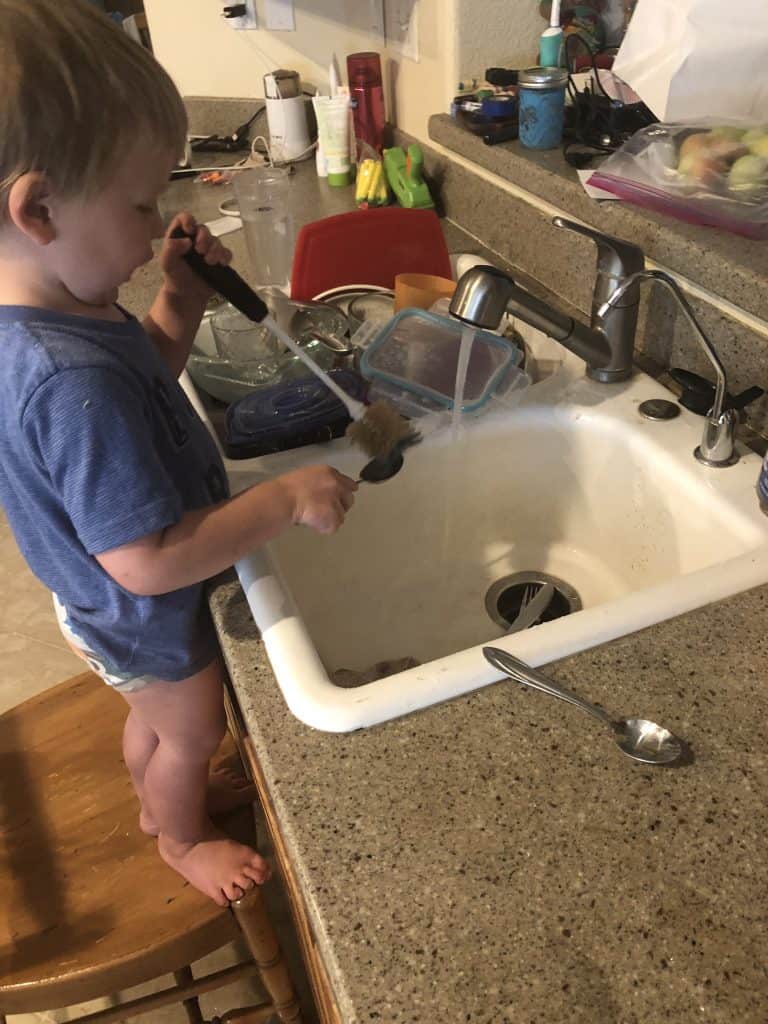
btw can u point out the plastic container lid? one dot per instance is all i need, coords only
(418, 352)
(290, 414)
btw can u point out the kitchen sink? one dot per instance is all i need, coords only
(572, 484)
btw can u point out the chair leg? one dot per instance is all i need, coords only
(191, 1005)
(251, 915)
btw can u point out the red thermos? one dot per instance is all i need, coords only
(367, 97)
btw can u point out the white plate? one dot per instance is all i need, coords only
(349, 290)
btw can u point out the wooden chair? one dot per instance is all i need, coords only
(90, 908)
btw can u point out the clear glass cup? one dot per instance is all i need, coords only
(245, 344)
(263, 196)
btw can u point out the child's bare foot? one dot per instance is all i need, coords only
(217, 866)
(228, 788)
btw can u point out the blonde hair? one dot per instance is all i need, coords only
(74, 91)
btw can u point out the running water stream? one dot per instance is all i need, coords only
(462, 365)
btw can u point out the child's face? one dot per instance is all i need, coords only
(101, 241)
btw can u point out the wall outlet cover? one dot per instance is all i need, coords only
(401, 21)
(246, 21)
(280, 16)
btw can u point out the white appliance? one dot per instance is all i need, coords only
(286, 117)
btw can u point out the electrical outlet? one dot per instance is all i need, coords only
(401, 21)
(280, 16)
(239, 15)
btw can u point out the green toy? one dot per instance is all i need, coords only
(405, 177)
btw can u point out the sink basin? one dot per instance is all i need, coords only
(573, 483)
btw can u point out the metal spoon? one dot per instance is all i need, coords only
(636, 737)
(384, 467)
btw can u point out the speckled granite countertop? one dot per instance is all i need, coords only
(726, 264)
(495, 859)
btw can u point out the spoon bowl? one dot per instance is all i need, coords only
(646, 741)
(384, 467)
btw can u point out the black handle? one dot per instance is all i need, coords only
(503, 77)
(699, 394)
(491, 138)
(226, 281)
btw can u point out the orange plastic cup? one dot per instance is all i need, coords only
(421, 290)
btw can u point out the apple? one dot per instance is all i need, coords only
(704, 168)
(760, 145)
(749, 174)
(753, 134)
(727, 132)
(692, 144)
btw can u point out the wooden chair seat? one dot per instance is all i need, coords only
(90, 908)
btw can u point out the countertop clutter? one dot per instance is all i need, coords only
(495, 859)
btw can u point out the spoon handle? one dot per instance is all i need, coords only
(529, 676)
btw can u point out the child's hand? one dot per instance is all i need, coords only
(177, 274)
(321, 497)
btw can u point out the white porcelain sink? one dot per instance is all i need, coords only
(573, 482)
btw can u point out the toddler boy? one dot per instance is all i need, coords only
(112, 485)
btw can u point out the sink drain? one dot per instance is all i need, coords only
(504, 600)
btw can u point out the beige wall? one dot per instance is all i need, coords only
(457, 39)
(497, 33)
(207, 58)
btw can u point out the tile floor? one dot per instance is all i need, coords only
(33, 657)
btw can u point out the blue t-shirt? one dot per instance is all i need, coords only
(100, 446)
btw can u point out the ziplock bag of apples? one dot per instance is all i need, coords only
(717, 176)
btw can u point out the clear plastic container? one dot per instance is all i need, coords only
(414, 361)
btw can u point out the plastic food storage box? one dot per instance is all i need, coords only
(414, 360)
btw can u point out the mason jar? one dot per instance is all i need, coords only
(541, 97)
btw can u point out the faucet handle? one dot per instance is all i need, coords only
(698, 394)
(616, 258)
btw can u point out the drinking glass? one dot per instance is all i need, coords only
(263, 195)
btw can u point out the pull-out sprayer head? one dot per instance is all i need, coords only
(481, 297)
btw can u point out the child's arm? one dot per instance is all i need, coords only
(175, 316)
(209, 540)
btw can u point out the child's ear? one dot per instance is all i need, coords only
(29, 207)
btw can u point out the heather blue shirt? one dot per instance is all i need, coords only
(99, 446)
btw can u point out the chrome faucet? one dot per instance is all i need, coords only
(483, 295)
(717, 444)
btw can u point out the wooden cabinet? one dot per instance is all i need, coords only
(328, 1012)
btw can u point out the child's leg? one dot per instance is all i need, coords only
(188, 720)
(139, 744)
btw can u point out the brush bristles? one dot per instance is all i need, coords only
(379, 430)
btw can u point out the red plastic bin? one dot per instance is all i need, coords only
(367, 247)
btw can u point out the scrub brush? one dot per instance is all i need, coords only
(378, 429)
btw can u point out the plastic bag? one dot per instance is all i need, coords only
(698, 61)
(716, 177)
